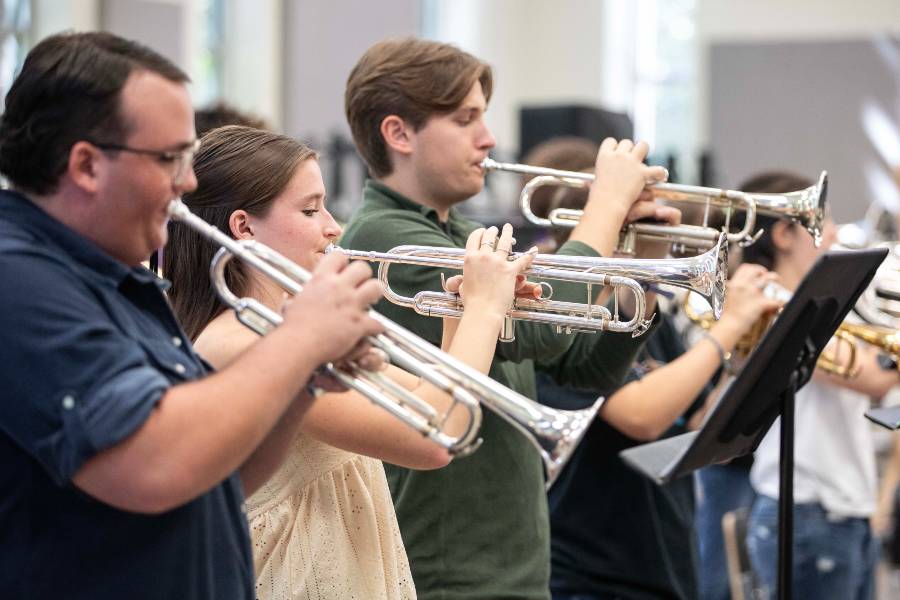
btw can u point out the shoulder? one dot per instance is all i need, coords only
(384, 229)
(37, 279)
(576, 248)
(223, 340)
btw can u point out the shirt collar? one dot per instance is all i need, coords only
(380, 194)
(82, 251)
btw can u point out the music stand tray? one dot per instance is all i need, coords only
(780, 365)
(886, 417)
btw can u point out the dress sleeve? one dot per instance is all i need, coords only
(76, 384)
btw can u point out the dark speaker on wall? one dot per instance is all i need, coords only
(540, 123)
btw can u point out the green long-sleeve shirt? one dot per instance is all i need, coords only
(478, 529)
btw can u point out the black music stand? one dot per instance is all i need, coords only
(782, 363)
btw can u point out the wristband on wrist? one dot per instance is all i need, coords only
(724, 357)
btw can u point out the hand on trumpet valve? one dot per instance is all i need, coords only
(745, 300)
(490, 280)
(334, 307)
(620, 176)
(646, 209)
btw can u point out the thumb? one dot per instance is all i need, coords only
(453, 284)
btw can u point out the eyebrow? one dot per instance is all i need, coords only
(183, 146)
(313, 196)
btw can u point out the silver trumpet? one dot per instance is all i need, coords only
(568, 317)
(704, 274)
(806, 207)
(555, 433)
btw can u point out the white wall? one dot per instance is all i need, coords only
(253, 57)
(164, 25)
(541, 52)
(323, 39)
(784, 20)
(744, 20)
(52, 16)
(791, 80)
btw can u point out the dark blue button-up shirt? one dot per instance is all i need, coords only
(88, 347)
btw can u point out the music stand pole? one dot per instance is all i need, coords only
(786, 492)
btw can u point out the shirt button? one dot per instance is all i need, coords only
(177, 341)
(179, 368)
(68, 402)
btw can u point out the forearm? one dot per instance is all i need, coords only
(450, 327)
(352, 422)
(870, 379)
(645, 409)
(890, 480)
(170, 459)
(598, 230)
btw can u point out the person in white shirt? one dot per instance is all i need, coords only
(835, 486)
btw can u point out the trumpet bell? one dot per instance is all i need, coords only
(561, 432)
(806, 207)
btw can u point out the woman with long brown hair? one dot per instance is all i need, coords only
(323, 526)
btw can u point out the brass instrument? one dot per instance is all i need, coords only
(884, 338)
(806, 207)
(555, 433)
(829, 361)
(704, 274)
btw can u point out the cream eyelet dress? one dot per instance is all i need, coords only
(324, 528)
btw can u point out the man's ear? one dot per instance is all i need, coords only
(397, 134)
(84, 165)
(239, 224)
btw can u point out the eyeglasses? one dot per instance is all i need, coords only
(181, 160)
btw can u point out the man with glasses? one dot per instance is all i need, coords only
(120, 456)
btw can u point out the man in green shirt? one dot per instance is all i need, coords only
(477, 529)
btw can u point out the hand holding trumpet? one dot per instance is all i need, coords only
(618, 196)
(490, 281)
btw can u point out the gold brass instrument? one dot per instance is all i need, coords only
(829, 361)
(806, 207)
(884, 338)
(704, 274)
(555, 433)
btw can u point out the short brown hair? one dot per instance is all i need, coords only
(69, 89)
(237, 167)
(413, 79)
